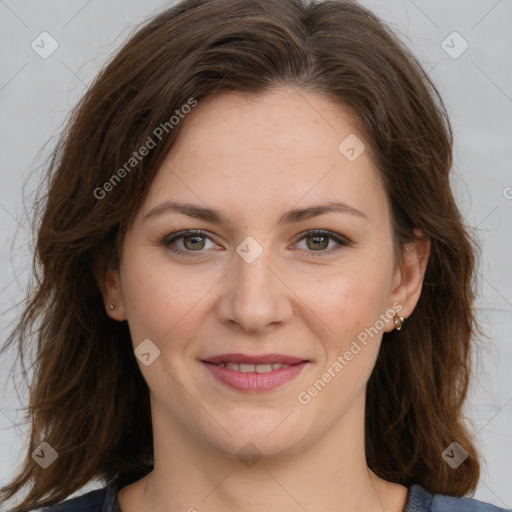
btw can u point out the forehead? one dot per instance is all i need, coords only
(278, 148)
(283, 119)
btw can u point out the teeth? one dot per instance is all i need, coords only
(263, 368)
(249, 368)
(246, 368)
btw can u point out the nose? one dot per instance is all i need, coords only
(255, 295)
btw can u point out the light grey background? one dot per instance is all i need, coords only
(36, 95)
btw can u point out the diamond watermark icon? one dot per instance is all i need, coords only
(147, 352)
(45, 455)
(454, 455)
(454, 45)
(249, 454)
(249, 249)
(44, 45)
(351, 147)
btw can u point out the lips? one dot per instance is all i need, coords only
(260, 359)
(256, 373)
(248, 368)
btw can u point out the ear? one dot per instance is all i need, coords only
(408, 276)
(110, 285)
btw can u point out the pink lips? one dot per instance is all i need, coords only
(253, 382)
(257, 359)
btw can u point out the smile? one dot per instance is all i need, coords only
(253, 378)
(258, 368)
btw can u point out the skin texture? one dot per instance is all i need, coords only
(254, 158)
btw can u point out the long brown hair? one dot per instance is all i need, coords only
(88, 399)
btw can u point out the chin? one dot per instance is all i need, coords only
(276, 433)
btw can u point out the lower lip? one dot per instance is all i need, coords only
(253, 382)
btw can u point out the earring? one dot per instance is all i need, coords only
(111, 307)
(399, 320)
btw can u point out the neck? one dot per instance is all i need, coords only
(330, 474)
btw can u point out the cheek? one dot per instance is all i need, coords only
(350, 298)
(162, 301)
(350, 305)
(153, 301)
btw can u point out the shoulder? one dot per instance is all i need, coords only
(421, 500)
(442, 503)
(99, 500)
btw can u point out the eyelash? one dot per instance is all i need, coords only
(343, 242)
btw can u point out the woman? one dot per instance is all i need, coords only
(255, 287)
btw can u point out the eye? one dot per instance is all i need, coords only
(317, 241)
(195, 240)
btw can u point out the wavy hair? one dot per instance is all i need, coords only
(88, 398)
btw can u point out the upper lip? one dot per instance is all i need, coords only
(255, 359)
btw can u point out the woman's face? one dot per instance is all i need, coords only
(258, 282)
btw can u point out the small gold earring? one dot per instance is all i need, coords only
(399, 320)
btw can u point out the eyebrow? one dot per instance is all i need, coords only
(216, 217)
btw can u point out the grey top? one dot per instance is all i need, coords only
(418, 500)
